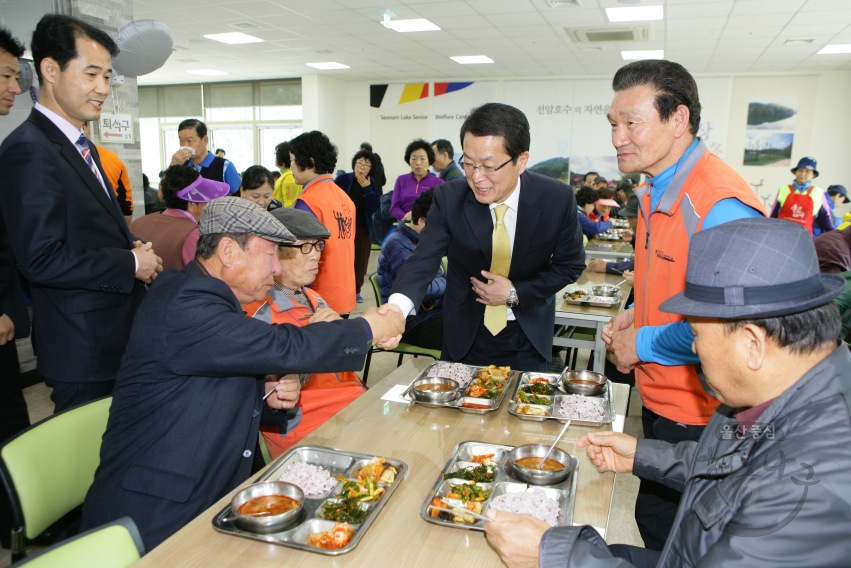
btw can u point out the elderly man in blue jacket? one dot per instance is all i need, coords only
(767, 484)
(188, 402)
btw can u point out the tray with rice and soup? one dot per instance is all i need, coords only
(337, 494)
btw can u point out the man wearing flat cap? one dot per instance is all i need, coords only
(291, 302)
(188, 401)
(767, 484)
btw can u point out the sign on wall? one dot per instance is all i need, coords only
(117, 128)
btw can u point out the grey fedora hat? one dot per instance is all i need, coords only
(753, 268)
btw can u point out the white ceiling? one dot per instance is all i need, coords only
(524, 37)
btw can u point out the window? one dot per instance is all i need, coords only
(247, 119)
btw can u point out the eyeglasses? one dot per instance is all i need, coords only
(363, 164)
(487, 171)
(307, 247)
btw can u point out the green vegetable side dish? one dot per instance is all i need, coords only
(537, 388)
(347, 510)
(528, 398)
(368, 490)
(468, 492)
(481, 473)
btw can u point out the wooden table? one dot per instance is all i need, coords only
(424, 438)
(589, 316)
(608, 250)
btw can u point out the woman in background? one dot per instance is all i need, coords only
(420, 156)
(364, 192)
(286, 188)
(256, 186)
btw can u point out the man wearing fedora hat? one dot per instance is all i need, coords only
(767, 484)
(802, 202)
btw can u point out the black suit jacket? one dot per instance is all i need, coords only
(547, 256)
(11, 299)
(184, 419)
(72, 245)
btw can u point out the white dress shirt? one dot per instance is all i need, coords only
(510, 220)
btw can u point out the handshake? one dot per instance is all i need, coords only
(387, 324)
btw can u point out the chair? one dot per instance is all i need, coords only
(403, 348)
(47, 469)
(114, 545)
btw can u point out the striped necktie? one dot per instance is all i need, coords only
(496, 316)
(82, 144)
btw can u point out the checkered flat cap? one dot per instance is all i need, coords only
(238, 215)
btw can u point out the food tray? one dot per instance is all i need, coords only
(504, 482)
(605, 400)
(611, 235)
(337, 462)
(599, 301)
(493, 404)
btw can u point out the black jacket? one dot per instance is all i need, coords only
(73, 246)
(186, 408)
(547, 256)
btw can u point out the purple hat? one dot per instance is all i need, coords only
(203, 190)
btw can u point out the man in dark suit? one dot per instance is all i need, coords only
(184, 422)
(86, 271)
(14, 319)
(513, 240)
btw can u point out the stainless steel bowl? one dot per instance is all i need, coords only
(538, 477)
(272, 523)
(587, 383)
(430, 396)
(607, 291)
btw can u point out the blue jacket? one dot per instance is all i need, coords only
(394, 254)
(592, 228)
(371, 195)
(187, 405)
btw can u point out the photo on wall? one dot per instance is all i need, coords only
(772, 113)
(768, 149)
(606, 168)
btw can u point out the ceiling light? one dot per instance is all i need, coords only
(795, 40)
(471, 59)
(328, 65)
(635, 14)
(207, 72)
(234, 38)
(415, 25)
(645, 54)
(835, 48)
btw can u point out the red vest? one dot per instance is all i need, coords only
(336, 279)
(323, 395)
(798, 208)
(661, 256)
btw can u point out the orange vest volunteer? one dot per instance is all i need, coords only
(661, 255)
(323, 395)
(336, 279)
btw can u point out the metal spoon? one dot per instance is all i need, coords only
(560, 434)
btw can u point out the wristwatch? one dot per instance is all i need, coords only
(512, 301)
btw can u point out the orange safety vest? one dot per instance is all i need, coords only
(661, 256)
(323, 395)
(334, 209)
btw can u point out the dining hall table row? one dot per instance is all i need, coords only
(424, 438)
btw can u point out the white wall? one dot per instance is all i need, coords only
(823, 121)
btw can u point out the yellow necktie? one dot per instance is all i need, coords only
(495, 316)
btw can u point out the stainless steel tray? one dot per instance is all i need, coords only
(337, 462)
(456, 404)
(599, 301)
(504, 482)
(605, 400)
